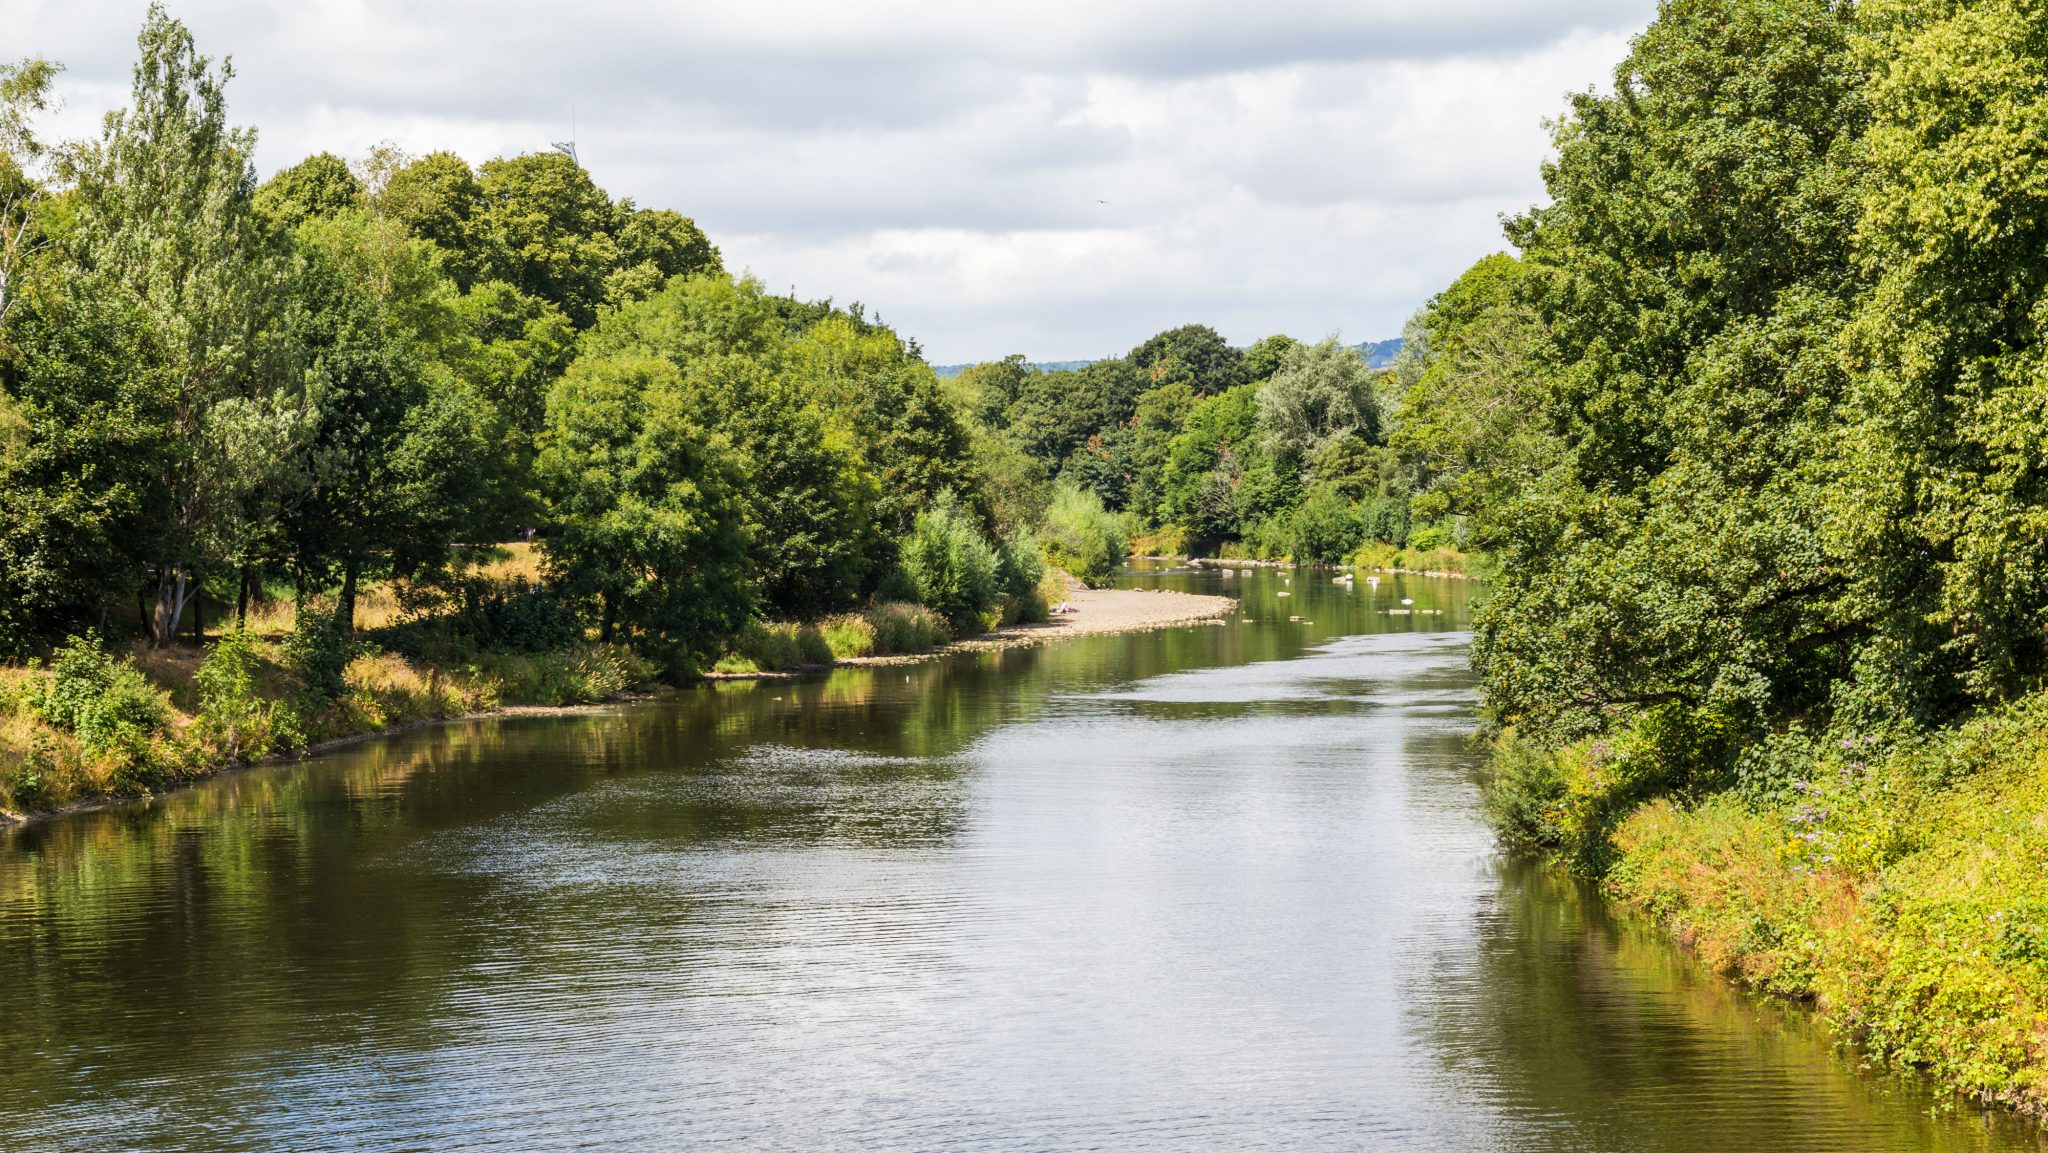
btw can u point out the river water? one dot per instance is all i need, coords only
(1215, 888)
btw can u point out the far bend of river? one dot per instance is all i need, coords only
(1212, 889)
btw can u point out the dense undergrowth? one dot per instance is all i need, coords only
(92, 723)
(1896, 882)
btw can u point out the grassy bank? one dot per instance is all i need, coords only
(1902, 891)
(98, 720)
(91, 724)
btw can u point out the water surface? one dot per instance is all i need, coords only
(1217, 888)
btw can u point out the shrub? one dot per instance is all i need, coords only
(956, 572)
(1083, 537)
(774, 647)
(318, 652)
(1385, 519)
(1437, 534)
(1570, 799)
(848, 635)
(1324, 529)
(108, 704)
(583, 675)
(1022, 571)
(233, 716)
(904, 628)
(1166, 540)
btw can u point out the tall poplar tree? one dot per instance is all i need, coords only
(166, 221)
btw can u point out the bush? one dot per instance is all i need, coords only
(1570, 799)
(1439, 534)
(1083, 537)
(956, 572)
(583, 675)
(1385, 519)
(775, 647)
(848, 635)
(1324, 529)
(233, 717)
(108, 704)
(319, 651)
(1022, 571)
(459, 618)
(904, 628)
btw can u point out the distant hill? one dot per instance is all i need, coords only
(1380, 353)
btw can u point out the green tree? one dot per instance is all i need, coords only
(955, 570)
(544, 228)
(809, 501)
(1690, 278)
(165, 219)
(24, 92)
(88, 442)
(1263, 359)
(1470, 423)
(402, 455)
(1321, 393)
(319, 185)
(1193, 354)
(438, 199)
(1160, 415)
(1950, 497)
(647, 518)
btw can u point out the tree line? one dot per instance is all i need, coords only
(215, 389)
(212, 387)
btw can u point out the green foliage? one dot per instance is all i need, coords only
(1193, 354)
(904, 628)
(1324, 529)
(1219, 479)
(1084, 538)
(1321, 394)
(1899, 888)
(1677, 311)
(235, 718)
(1020, 572)
(165, 224)
(1264, 359)
(956, 572)
(649, 522)
(1570, 799)
(107, 703)
(582, 674)
(1470, 421)
(320, 185)
(318, 653)
(776, 647)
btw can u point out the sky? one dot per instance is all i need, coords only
(1058, 178)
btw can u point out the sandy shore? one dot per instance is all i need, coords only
(1097, 612)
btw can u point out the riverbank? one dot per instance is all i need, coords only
(46, 771)
(1898, 889)
(1094, 612)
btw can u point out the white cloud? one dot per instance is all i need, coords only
(1282, 167)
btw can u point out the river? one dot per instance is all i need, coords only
(1214, 888)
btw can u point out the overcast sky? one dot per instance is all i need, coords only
(1060, 178)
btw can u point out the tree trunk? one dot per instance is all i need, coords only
(173, 589)
(242, 600)
(604, 618)
(198, 615)
(345, 612)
